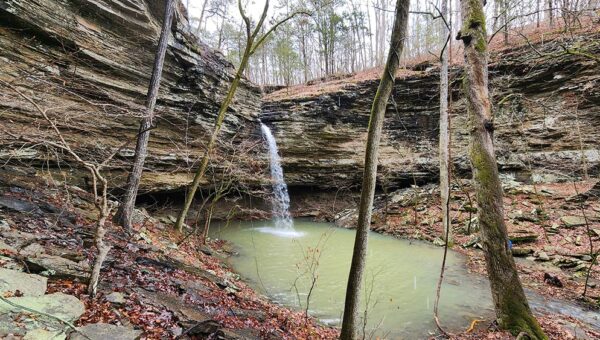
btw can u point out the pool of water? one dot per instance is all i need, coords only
(400, 279)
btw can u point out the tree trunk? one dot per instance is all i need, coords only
(102, 248)
(125, 213)
(444, 126)
(551, 13)
(512, 308)
(378, 109)
(505, 21)
(199, 29)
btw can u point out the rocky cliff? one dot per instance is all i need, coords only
(88, 62)
(547, 109)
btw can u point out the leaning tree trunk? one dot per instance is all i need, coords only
(125, 213)
(512, 308)
(378, 109)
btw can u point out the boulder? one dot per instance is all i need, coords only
(104, 331)
(26, 284)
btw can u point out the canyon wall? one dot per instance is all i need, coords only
(547, 120)
(88, 62)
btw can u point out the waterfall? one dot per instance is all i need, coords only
(281, 198)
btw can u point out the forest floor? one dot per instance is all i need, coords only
(154, 283)
(151, 282)
(550, 233)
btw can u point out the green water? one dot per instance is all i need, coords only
(400, 279)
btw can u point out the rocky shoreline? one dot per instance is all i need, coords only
(547, 228)
(153, 286)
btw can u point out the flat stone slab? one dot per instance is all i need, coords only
(44, 334)
(103, 331)
(116, 297)
(572, 221)
(27, 284)
(66, 307)
(18, 205)
(17, 321)
(56, 266)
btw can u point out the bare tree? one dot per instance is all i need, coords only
(125, 212)
(95, 169)
(444, 149)
(444, 142)
(512, 309)
(386, 85)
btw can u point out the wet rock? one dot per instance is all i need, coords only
(103, 331)
(56, 266)
(27, 284)
(572, 221)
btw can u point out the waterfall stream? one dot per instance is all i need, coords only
(281, 198)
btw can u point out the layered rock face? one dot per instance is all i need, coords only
(88, 63)
(547, 118)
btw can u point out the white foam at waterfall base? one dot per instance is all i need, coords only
(281, 232)
(281, 198)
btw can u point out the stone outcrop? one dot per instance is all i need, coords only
(89, 64)
(546, 108)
